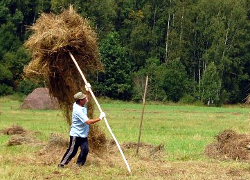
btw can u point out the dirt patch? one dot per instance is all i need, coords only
(229, 145)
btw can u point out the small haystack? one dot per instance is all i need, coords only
(14, 129)
(57, 140)
(54, 36)
(248, 99)
(229, 145)
(19, 136)
(25, 138)
(40, 99)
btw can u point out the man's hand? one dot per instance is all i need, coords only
(87, 87)
(102, 115)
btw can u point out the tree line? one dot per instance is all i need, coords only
(192, 50)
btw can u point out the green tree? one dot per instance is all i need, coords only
(116, 81)
(210, 85)
(155, 71)
(176, 83)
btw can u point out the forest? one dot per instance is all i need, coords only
(191, 50)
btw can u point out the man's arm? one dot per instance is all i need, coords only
(92, 121)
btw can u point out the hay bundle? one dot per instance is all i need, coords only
(25, 138)
(53, 38)
(248, 99)
(14, 129)
(57, 140)
(229, 145)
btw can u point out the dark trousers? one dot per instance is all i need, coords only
(74, 144)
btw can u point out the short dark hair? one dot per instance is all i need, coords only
(77, 101)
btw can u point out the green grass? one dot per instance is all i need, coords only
(184, 130)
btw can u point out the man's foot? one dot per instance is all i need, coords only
(78, 165)
(60, 165)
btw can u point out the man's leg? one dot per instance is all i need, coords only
(71, 151)
(84, 151)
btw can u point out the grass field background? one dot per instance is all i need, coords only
(184, 130)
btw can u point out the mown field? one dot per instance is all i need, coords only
(183, 130)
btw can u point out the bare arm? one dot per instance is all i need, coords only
(92, 121)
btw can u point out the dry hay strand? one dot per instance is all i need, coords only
(147, 151)
(24, 138)
(97, 139)
(229, 145)
(50, 155)
(52, 152)
(57, 140)
(226, 136)
(54, 36)
(14, 129)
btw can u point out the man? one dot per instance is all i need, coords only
(79, 129)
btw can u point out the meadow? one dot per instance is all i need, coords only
(183, 130)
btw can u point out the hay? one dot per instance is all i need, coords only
(97, 139)
(25, 138)
(229, 145)
(57, 140)
(19, 136)
(40, 99)
(54, 36)
(248, 99)
(14, 129)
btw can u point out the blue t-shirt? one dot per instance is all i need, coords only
(79, 116)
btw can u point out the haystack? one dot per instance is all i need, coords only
(40, 99)
(248, 99)
(54, 36)
(229, 145)
(14, 129)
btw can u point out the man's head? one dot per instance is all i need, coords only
(80, 98)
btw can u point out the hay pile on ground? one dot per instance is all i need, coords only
(229, 145)
(40, 99)
(19, 136)
(14, 129)
(57, 140)
(54, 36)
(248, 99)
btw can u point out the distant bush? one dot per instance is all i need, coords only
(187, 99)
(5, 89)
(26, 87)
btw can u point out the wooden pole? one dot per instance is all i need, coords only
(142, 113)
(100, 109)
